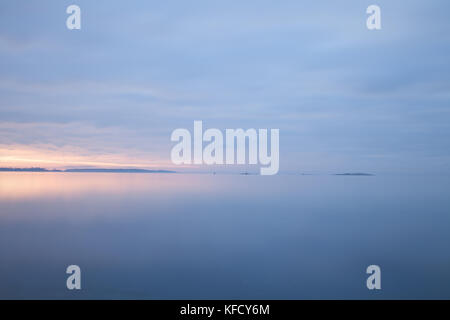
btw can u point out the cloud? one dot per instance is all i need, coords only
(75, 144)
(133, 74)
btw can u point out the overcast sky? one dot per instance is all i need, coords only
(344, 98)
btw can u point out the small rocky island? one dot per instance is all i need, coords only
(354, 174)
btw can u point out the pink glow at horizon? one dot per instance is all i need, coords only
(21, 156)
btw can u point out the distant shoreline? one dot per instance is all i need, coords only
(100, 170)
(105, 170)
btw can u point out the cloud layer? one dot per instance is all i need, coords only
(343, 97)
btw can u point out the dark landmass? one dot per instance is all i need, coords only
(85, 170)
(120, 170)
(353, 174)
(28, 170)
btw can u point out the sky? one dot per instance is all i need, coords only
(345, 98)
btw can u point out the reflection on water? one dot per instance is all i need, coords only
(223, 236)
(23, 185)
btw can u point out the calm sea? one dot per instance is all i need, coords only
(199, 236)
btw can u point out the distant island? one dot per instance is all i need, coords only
(85, 170)
(28, 170)
(353, 174)
(120, 170)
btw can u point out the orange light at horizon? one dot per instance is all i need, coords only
(50, 158)
(71, 163)
(70, 185)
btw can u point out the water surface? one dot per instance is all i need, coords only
(186, 236)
